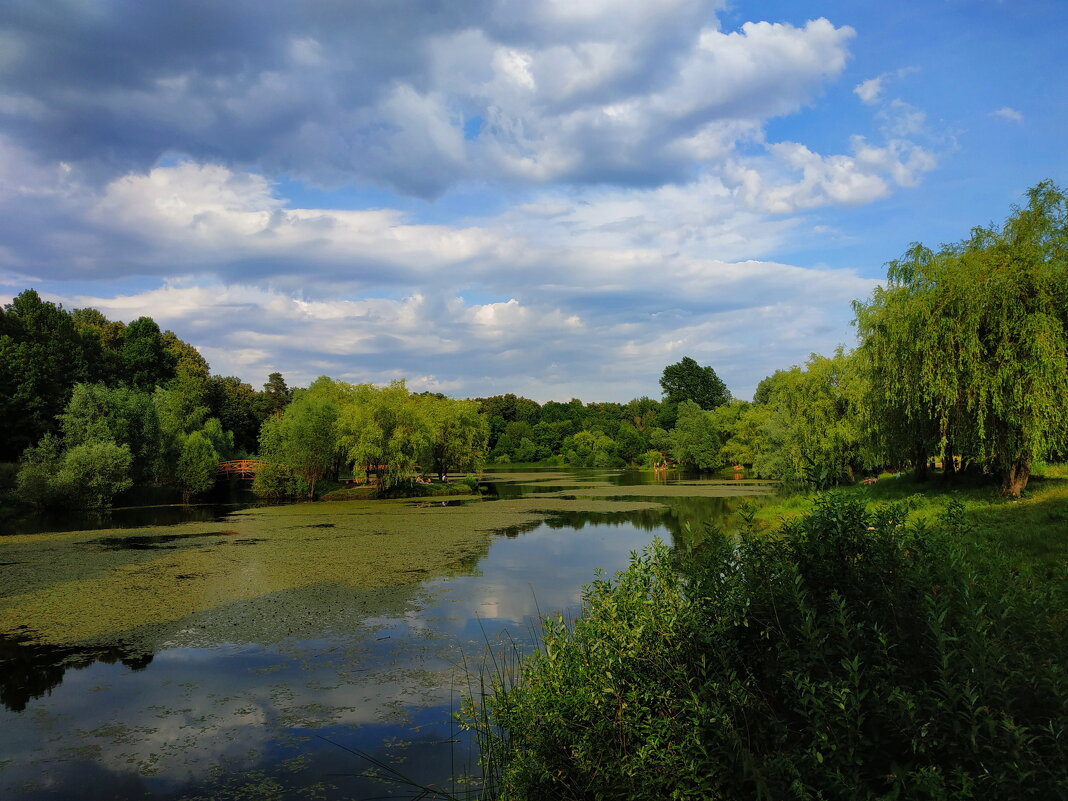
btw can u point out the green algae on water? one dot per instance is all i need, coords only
(96, 586)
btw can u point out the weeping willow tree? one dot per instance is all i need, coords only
(384, 432)
(966, 347)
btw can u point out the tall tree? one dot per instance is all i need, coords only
(384, 431)
(146, 361)
(688, 381)
(237, 406)
(458, 434)
(969, 345)
(303, 438)
(121, 415)
(41, 359)
(276, 395)
(195, 469)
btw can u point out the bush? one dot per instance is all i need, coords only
(851, 657)
(275, 482)
(36, 478)
(93, 473)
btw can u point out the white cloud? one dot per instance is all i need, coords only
(870, 90)
(1008, 113)
(862, 177)
(625, 92)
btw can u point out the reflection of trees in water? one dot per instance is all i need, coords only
(30, 670)
(686, 518)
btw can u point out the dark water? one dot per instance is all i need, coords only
(241, 720)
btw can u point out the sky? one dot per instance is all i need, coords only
(554, 198)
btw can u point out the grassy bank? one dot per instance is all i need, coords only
(1033, 529)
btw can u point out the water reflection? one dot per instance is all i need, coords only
(30, 670)
(264, 694)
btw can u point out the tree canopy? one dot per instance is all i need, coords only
(967, 347)
(688, 381)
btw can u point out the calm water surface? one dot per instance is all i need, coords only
(248, 694)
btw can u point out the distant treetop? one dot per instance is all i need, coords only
(687, 380)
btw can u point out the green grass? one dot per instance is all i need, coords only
(1034, 529)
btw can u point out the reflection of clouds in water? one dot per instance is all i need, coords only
(543, 571)
(192, 708)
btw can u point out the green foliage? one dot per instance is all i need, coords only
(457, 435)
(591, 449)
(195, 471)
(178, 415)
(87, 475)
(700, 438)
(302, 439)
(809, 428)
(276, 482)
(93, 472)
(276, 395)
(121, 415)
(146, 361)
(36, 480)
(385, 431)
(851, 657)
(41, 359)
(237, 406)
(967, 347)
(688, 381)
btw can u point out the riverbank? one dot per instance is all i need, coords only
(892, 640)
(1034, 528)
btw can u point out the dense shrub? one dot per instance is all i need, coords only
(86, 476)
(851, 657)
(276, 482)
(93, 473)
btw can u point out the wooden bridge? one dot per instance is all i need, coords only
(242, 468)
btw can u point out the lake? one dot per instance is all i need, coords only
(251, 652)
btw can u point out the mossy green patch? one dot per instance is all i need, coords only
(99, 585)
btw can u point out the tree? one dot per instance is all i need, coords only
(966, 348)
(458, 434)
(146, 362)
(809, 429)
(303, 439)
(41, 359)
(178, 415)
(94, 472)
(236, 405)
(384, 431)
(102, 344)
(195, 471)
(276, 395)
(698, 437)
(121, 415)
(688, 381)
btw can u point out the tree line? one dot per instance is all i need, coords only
(962, 356)
(388, 432)
(91, 406)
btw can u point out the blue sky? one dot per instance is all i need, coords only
(556, 199)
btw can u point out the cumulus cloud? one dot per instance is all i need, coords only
(629, 201)
(629, 92)
(862, 177)
(871, 90)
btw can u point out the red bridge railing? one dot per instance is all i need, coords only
(242, 468)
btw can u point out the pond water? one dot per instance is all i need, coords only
(248, 652)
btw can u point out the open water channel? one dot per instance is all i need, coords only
(245, 652)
